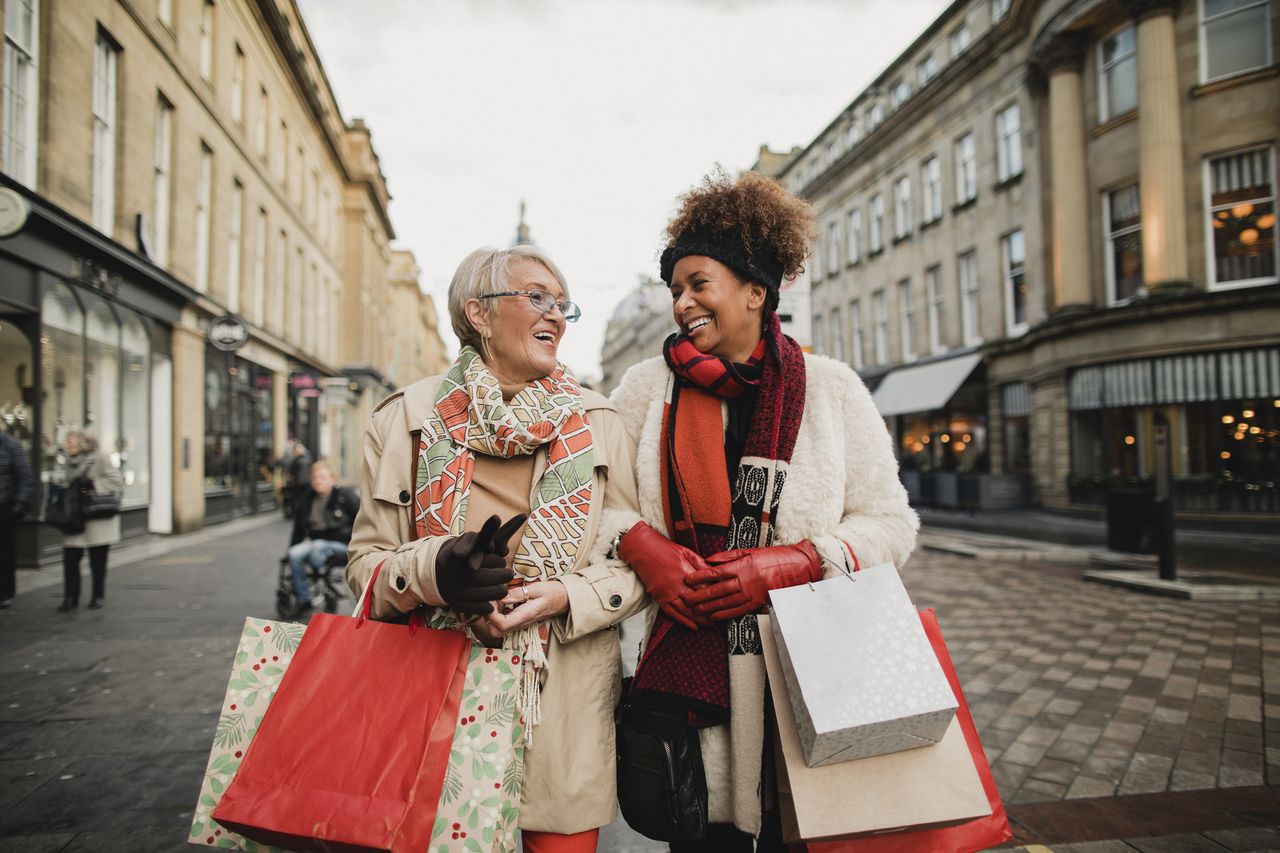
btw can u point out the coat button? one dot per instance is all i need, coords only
(615, 601)
(404, 496)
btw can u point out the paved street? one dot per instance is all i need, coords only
(1107, 714)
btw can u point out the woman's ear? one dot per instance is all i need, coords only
(478, 316)
(756, 296)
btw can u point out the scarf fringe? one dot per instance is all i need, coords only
(533, 660)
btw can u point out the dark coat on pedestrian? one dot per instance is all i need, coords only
(340, 512)
(17, 485)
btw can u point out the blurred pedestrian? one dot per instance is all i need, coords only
(322, 519)
(297, 475)
(16, 487)
(84, 466)
(760, 468)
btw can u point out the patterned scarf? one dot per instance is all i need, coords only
(471, 417)
(703, 514)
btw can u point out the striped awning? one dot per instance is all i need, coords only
(1235, 375)
(1017, 400)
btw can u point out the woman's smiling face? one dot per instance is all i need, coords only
(524, 343)
(716, 309)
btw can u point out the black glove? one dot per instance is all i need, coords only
(471, 569)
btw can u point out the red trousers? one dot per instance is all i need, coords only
(554, 842)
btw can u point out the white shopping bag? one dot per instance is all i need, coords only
(862, 677)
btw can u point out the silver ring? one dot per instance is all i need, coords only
(526, 593)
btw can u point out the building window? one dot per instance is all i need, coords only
(819, 334)
(282, 154)
(135, 409)
(1118, 74)
(102, 373)
(934, 306)
(880, 332)
(1122, 211)
(296, 296)
(966, 170)
(902, 208)
(264, 117)
(932, 172)
(281, 270)
(877, 223)
(164, 12)
(237, 85)
(853, 133)
(855, 339)
(853, 249)
(928, 70)
(959, 40)
(1015, 283)
(204, 201)
(21, 89)
(833, 247)
(906, 320)
(837, 335)
(876, 117)
(260, 268)
(206, 40)
(970, 301)
(831, 154)
(1008, 143)
(900, 93)
(103, 192)
(1235, 36)
(163, 183)
(999, 8)
(1242, 216)
(233, 247)
(62, 364)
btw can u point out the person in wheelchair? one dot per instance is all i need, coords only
(323, 515)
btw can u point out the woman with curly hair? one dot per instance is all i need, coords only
(758, 467)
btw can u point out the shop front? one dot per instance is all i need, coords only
(937, 415)
(1224, 414)
(238, 439)
(85, 344)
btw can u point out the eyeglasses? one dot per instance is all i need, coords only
(542, 302)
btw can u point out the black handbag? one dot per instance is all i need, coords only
(94, 504)
(63, 510)
(662, 789)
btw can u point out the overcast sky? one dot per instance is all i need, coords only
(597, 113)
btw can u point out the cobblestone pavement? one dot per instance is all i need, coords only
(1107, 714)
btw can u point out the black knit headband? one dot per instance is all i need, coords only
(760, 265)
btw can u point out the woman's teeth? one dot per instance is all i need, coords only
(699, 323)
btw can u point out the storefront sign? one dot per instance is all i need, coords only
(89, 274)
(228, 333)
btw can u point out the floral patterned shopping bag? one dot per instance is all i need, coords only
(264, 652)
(480, 803)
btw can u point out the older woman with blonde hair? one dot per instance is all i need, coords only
(508, 433)
(82, 464)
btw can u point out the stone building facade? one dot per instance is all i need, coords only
(177, 164)
(1047, 231)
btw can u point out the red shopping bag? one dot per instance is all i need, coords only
(978, 834)
(352, 751)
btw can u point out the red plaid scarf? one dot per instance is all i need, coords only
(701, 512)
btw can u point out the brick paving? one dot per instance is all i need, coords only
(1083, 691)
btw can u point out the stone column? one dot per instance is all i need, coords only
(188, 423)
(1160, 173)
(1068, 178)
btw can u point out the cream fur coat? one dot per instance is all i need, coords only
(842, 487)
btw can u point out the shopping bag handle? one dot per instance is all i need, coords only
(364, 606)
(852, 557)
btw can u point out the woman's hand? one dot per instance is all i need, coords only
(531, 602)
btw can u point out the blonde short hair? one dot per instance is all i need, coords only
(486, 271)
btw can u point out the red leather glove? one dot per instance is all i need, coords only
(736, 583)
(663, 565)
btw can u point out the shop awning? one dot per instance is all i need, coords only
(923, 387)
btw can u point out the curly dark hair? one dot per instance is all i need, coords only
(767, 215)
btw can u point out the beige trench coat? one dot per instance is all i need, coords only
(569, 782)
